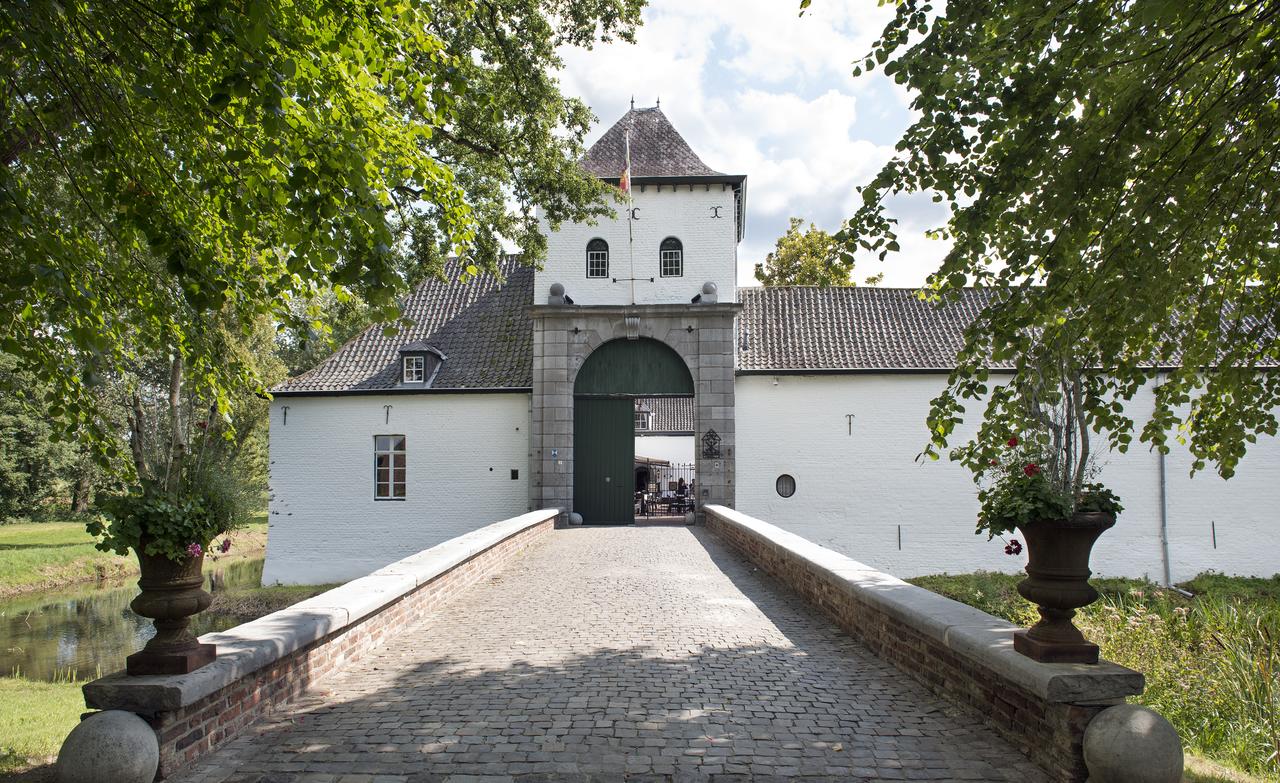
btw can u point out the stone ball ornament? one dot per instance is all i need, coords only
(114, 746)
(557, 289)
(1128, 743)
(575, 518)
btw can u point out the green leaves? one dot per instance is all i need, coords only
(170, 171)
(810, 258)
(1111, 169)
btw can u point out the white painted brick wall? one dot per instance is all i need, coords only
(854, 491)
(325, 525)
(710, 249)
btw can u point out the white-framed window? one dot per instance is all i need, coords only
(671, 257)
(597, 258)
(388, 467)
(415, 369)
(642, 420)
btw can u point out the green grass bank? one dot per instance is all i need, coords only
(38, 556)
(1212, 660)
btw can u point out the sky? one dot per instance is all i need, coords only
(757, 89)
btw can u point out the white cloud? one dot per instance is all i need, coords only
(755, 89)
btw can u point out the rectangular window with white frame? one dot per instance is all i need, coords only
(597, 263)
(672, 263)
(414, 369)
(388, 467)
(642, 420)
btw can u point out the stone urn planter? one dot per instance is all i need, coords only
(1058, 584)
(171, 593)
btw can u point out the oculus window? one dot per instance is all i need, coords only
(597, 258)
(786, 485)
(671, 257)
(388, 467)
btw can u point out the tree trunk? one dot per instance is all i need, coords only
(178, 439)
(83, 493)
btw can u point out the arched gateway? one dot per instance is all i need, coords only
(609, 380)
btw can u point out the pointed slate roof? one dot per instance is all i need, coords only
(657, 149)
(481, 324)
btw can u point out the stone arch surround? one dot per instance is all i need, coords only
(565, 335)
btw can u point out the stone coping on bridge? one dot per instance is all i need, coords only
(959, 652)
(270, 660)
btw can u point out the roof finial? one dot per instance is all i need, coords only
(659, 106)
(633, 103)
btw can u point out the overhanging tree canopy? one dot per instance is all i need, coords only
(168, 160)
(1113, 166)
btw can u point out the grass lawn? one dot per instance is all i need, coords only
(35, 717)
(1212, 661)
(43, 555)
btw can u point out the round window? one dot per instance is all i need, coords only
(786, 485)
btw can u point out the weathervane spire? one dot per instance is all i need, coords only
(633, 103)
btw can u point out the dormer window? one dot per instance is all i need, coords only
(642, 419)
(597, 258)
(419, 364)
(415, 369)
(671, 257)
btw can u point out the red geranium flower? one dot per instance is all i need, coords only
(1032, 470)
(1013, 442)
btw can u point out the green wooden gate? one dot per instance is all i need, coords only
(604, 446)
(603, 458)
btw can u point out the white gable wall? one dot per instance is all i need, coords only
(681, 211)
(325, 525)
(854, 491)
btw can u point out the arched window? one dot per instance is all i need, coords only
(671, 256)
(597, 258)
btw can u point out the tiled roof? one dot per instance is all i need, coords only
(806, 328)
(670, 414)
(657, 149)
(481, 324)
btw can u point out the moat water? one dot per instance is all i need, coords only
(88, 629)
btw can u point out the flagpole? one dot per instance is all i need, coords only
(631, 240)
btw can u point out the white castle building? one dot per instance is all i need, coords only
(803, 406)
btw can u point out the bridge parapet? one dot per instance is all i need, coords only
(957, 651)
(270, 661)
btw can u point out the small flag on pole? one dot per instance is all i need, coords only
(624, 182)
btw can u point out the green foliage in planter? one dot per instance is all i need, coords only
(1018, 490)
(1019, 499)
(171, 522)
(1096, 497)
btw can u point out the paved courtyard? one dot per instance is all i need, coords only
(638, 653)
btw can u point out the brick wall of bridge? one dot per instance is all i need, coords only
(241, 693)
(958, 652)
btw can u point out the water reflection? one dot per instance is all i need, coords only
(89, 629)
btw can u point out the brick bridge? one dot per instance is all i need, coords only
(645, 653)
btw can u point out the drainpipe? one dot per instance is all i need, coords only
(1164, 522)
(1164, 519)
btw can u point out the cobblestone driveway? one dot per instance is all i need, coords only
(639, 653)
